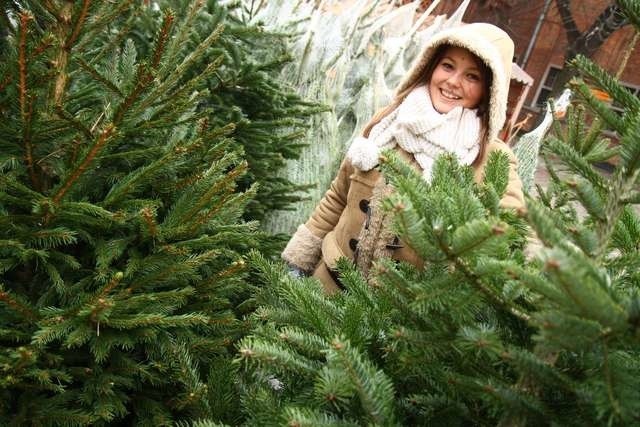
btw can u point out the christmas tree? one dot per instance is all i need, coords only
(482, 335)
(132, 138)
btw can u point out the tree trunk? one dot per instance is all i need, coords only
(589, 41)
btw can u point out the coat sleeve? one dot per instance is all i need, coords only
(304, 248)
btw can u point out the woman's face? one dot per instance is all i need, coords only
(457, 80)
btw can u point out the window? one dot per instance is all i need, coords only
(545, 87)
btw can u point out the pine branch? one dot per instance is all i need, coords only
(78, 26)
(622, 186)
(82, 167)
(99, 77)
(46, 42)
(75, 123)
(475, 279)
(608, 380)
(631, 10)
(373, 386)
(603, 110)
(175, 74)
(608, 83)
(148, 215)
(163, 35)
(99, 22)
(630, 152)
(183, 33)
(205, 198)
(62, 57)
(128, 183)
(144, 77)
(5, 82)
(26, 103)
(18, 306)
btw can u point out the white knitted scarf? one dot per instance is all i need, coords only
(419, 129)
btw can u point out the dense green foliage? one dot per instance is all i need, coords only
(132, 141)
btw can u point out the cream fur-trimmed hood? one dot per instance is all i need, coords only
(489, 43)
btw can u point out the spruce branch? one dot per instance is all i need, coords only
(46, 42)
(205, 198)
(18, 306)
(148, 215)
(183, 33)
(99, 77)
(256, 351)
(98, 301)
(621, 187)
(62, 56)
(615, 403)
(50, 7)
(104, 18)
(205, 217)
(22, 62)
(475, 279)
(78, 25)
(75, 123)
(82, 167)
(235, 267)
(163, 35)
(127, 184)
(194, 83)
(175, 74)
(26, 103)
(144, 77)
(4, 82)
(373, 386)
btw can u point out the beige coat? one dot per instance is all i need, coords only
(332, 230)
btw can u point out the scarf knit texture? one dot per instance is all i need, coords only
(416, 127)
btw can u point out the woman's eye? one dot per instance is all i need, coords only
(447, 66)
(473, 77)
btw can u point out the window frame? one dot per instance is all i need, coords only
(543, 86)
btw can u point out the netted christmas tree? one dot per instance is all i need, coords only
(482, 335)
(131, 140)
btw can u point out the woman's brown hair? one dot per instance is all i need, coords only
(482, 109)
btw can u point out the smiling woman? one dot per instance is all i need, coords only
(453, 101)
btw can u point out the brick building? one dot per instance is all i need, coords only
(547, 51)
